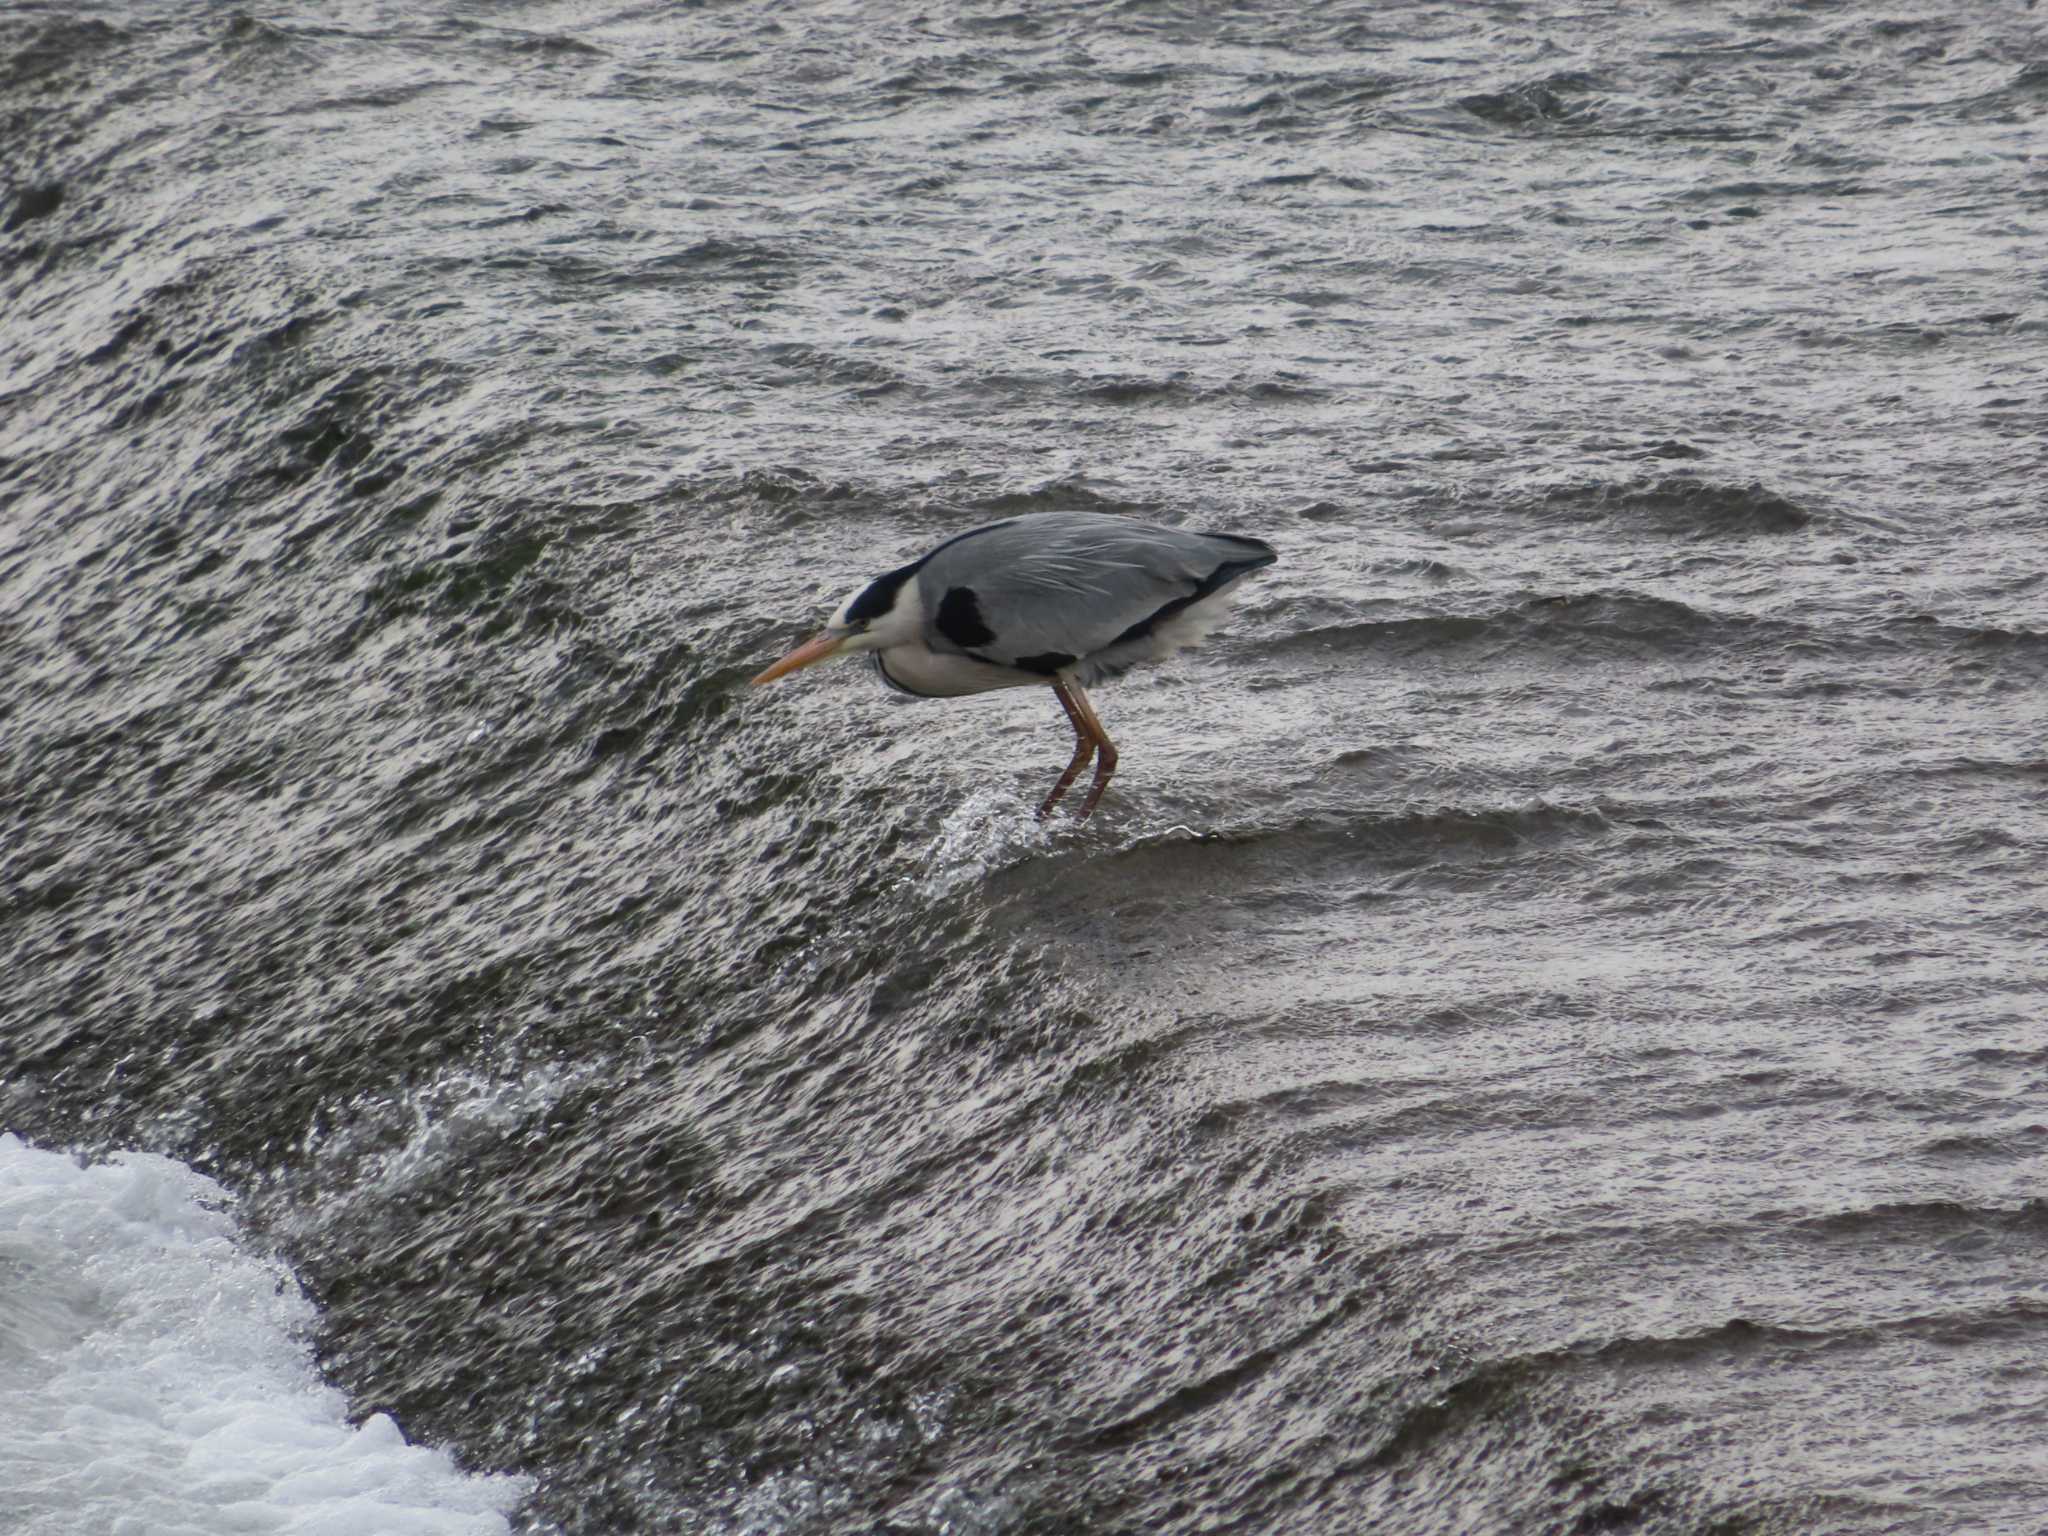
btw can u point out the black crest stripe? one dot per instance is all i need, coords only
(880, 595)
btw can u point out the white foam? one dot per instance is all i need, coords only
(382, 1143)
(986, 832)
(461, 1110)
(155, 1379)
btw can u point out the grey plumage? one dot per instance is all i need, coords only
(1059, 599)
(1098, 590)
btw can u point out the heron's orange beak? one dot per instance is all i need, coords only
(810, 651)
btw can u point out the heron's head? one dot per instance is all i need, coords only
(887, 611)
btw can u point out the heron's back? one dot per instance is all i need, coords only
(1079, 594)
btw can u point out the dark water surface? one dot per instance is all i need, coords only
(1546, 1033)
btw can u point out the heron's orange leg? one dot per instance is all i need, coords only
(1105, 762)
(1084, 748)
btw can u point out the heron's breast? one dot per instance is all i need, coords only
(936, 675)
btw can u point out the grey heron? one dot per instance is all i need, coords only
(1059, 599)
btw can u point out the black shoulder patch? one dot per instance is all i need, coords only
(880, 596)
(959, 619)
(1045, 663)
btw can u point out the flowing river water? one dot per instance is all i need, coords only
(1548, 1031)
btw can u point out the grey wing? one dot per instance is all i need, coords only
(1044, 591)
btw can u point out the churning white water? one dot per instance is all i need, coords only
(155, 1379)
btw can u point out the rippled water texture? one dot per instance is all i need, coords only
(1546, 1031)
